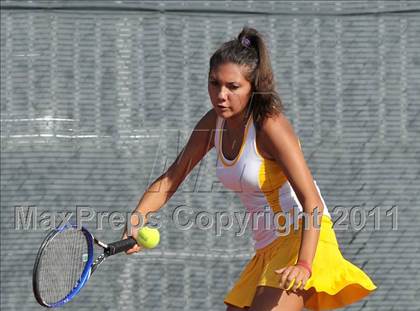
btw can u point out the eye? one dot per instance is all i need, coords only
(233, 86)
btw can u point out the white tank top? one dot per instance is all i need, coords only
(261, 186)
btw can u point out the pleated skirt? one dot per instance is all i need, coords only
(335, 282)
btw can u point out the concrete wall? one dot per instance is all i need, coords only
(98, 97)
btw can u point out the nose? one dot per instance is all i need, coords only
(222, 94)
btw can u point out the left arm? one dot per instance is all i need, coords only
(280, 141)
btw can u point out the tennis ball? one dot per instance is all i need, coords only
(148, 237)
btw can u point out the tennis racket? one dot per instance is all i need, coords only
(65, 262)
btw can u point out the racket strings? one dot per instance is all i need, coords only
(61, 265)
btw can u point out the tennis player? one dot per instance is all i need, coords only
(259, 156)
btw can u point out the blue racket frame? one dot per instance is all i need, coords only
(85, 274)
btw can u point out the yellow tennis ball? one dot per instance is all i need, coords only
(148, 237)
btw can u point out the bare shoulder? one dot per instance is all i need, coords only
(204, 130)
(283, 144)
(208, 121)
(272, 124)
(277, 135)
(199, 143)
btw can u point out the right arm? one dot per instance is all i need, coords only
(162, 189)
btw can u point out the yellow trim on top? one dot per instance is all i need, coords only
(222, 157)
(270, 180)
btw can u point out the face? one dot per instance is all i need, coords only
(229, 90)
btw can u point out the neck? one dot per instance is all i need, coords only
(238, 122)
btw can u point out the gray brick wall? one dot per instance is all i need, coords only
(98, 97)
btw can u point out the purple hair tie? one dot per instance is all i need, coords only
(246, 42)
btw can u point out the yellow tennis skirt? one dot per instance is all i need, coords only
(336, 281)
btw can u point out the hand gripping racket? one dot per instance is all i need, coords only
(65, 262)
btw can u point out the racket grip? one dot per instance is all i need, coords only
(120, 246)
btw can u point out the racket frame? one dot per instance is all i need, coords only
(85, 273)
(90, 266)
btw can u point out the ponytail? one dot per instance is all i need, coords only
(250, 50)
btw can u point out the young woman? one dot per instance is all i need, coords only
(259, 156)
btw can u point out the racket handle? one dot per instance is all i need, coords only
(120, 246)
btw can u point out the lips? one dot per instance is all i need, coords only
(220, 106)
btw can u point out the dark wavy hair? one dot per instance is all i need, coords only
(250, 50)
